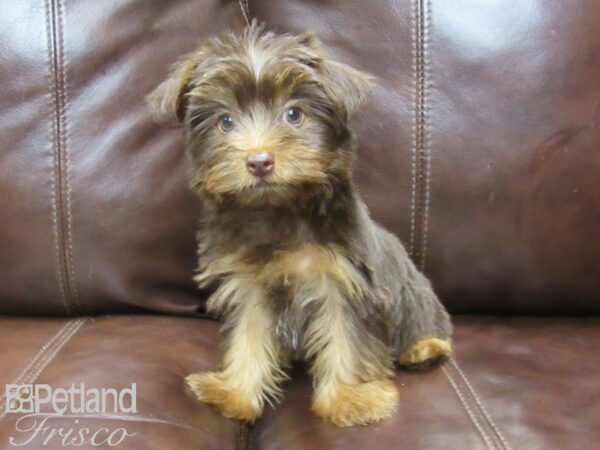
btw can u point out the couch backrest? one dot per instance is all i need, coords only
(480, 147)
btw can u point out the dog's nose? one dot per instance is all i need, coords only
(260, 164)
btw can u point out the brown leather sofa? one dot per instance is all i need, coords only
(480, 148)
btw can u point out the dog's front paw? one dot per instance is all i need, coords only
(346, 404)
(215, 389)
(425, 352)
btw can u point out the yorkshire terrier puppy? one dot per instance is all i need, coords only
(297, 268)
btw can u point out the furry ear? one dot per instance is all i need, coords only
(309, 51)
(167, 101)
(347, 85)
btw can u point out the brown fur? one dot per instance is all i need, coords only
(296, 267)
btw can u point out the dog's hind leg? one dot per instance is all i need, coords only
(424, 329)
(419, 325)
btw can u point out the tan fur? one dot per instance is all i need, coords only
(167, 101)
(299, 265)
(348, 389)
(298, 163)
(251, 368)
(355, 404)
(425, 352)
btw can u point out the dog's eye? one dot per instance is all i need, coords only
(226, 123)
(293, 115)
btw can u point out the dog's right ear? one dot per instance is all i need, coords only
(167, 101)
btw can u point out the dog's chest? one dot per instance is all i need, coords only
(293, 281)
(296, 267)
(297, 282)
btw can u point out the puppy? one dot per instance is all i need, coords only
(297, 268)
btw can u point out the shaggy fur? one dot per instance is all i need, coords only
(297, 268)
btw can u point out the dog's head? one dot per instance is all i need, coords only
(266, 116)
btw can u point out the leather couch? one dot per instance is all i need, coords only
(480, 148)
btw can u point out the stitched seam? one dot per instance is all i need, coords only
(420, 163)
(425, 124)
(52, 354)
(49, 354)
(241, 442)
(459, 393)
(41, 352)
(67, 165)
(413, 185)
(46, 356)
(35, 359)
(476, 410)
(245, 10)
(479, 403)
(61, 189)
(245, 436)
(413, 168)
(54, 132)
(419, 127)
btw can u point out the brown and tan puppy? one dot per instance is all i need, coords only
(298, 269)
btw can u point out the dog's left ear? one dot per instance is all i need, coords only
(347, 86)
(167, 101)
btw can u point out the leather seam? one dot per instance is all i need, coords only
(44, 357)
(51, 354)
(426, 123)
(470, 413)
(61, 181)
(479, 403)
(413, 167)
(38, 355)
(245, 11)
(421, 153)
(243, 436)
(67, 165)
(54, 136)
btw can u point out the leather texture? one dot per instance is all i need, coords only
(113, 352)
(479, 149)
(514, 383)
(521, 383)
(480, 138)
(96, 214)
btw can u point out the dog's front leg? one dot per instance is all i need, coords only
(251, 369)
(350, 366)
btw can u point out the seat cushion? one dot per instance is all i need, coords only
(522, 383)
(112, 352)
(514, 383)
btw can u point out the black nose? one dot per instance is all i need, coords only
(260, 164)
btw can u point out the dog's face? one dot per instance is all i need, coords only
(266, 117)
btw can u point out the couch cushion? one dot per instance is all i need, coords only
(514, 383)
(96, 214)
(113, 352)
(523, 383)
(481, 140)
